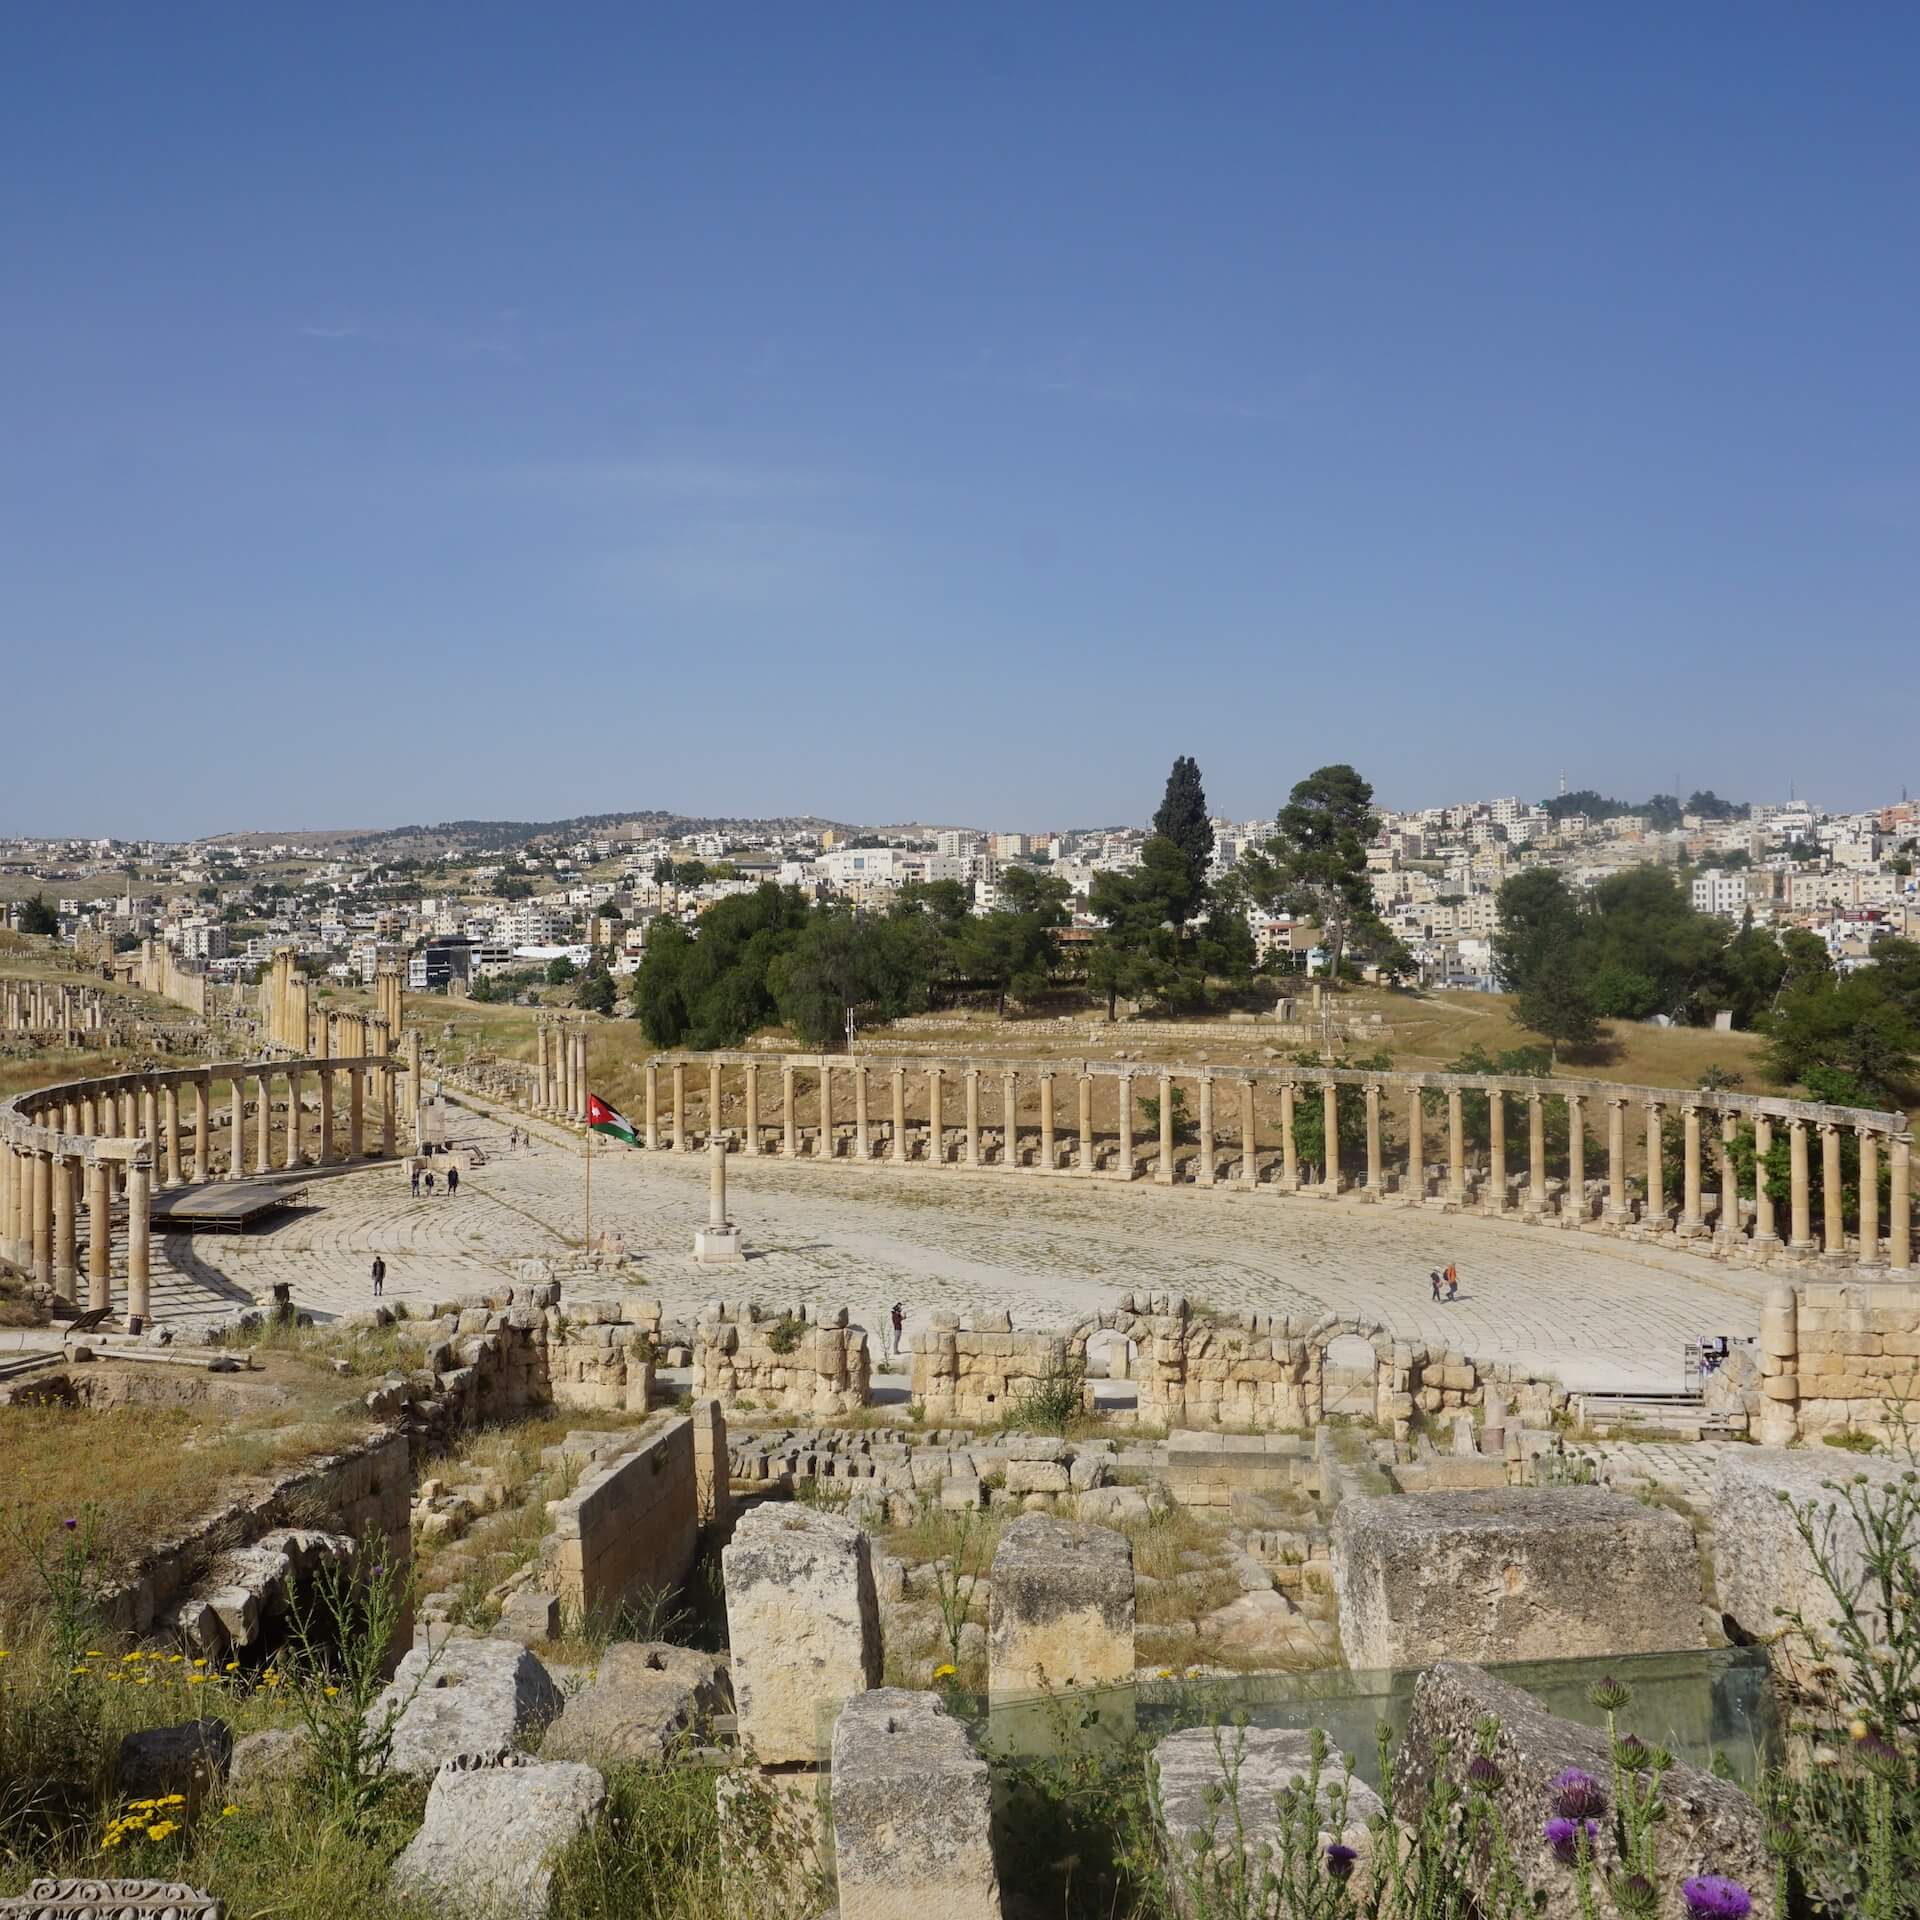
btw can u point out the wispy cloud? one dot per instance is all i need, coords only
(1065, 377)
(691, 480)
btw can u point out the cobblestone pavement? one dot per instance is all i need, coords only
(1597, 1312)
(1685, 1468)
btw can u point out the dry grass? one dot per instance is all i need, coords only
(151, 1472)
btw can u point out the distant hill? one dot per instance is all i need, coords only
(475, 836)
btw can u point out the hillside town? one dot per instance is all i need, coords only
(472, 916)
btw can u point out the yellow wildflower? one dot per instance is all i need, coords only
(200, 1663)
(125, 1657)
(331, 1691)
(94, 1653)
(233, 1666)
(945, 1671)
(174, 1659)
(224, 1811)
(161, 1828)
(196, 1679)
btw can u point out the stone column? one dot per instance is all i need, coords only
(1765, 1234)
(1900, 1205)
(862, 1141)
(899, 1116)
(1692, 1223)
(1203, 1173)
(1047, 1161)
(652, 1135)
(1833, 1200)
(1086, 1122)
(682, 1136)
(1125, 1170)
(1456, 1149)
(936, 1118)
(825, 1150)
(1801, 1189)
(542, 1068)
(139, 1228)
(713, 1101)
(1163, 1168)
(325, 1077)
(99, 1236)
(1619, 1208)
(1575, 1205)
(1729, 1186)
(1009, 1118)
(580, 1050)
(1656, 1213)
(356, 1109)
(63, 1211)
(753, 1107)
(790, 1134)
(293, 1117)
(716, 1181)
(1376, 1181)
(973, 1116)
(1330, 1127)
(1289, 1146)
(202, 1128)
(416, 1093)
(389, 1117)
(1249, 1138)
(1869, 1197)
(1536, 1154)
(170, 1108)
(1416, 1194)
(1497, 1151)
(43, 1217)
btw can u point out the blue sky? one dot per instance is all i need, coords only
(949, 413)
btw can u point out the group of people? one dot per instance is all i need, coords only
(1445, 1285)
(425, 1174)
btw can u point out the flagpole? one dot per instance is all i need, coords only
(589, 1236)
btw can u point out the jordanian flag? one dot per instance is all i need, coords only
(603, 1119)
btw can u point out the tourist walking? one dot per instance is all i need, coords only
(453, 1181)
(1453, 1280)
(1435, 1277)
(416, 1180)
(427, 1180)
(899, 1322)
(379, 1276)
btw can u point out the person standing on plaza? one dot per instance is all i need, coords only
(379, 1276)
(453, 1181)
(899, 1322)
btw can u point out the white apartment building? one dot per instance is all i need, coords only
(958, 844)
(1718, 892)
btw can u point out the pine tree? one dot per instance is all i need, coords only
(1183, 819)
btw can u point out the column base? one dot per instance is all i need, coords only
(718, 1247)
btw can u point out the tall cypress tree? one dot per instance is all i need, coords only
(1183, 819)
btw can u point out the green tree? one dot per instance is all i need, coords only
(1182, 818)
(1538, 916)
(560, 970)
(36, 917)
(1556, 1005)
(596, 994)
(1350, 1113)
(1014, 949)
(658, 992)
(1142, 951)
(1316, 862)
(1654, 952)
(1847, 1026)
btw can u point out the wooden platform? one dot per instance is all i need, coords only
(228, 1206)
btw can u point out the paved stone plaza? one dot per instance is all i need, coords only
(1046, 1250)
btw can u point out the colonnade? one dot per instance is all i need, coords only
(560, 1068)
(92, 1143)
(50, 1006)
(1231, 1151)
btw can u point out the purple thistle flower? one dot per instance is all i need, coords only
(1576, 1794)
(1340, 1859)
(1563, 1836)
(1484, 1773)
(1711, 1897)
(70, 1523)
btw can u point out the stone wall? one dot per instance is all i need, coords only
(631, 1527)
(1835, 1357)
(974, 1367)
(805, 1361)
(366, 1490)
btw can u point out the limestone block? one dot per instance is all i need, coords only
(1520, 1574)
(646, 1699)
(492, 1833)
(260, 1759)
(1710, 1826)
(529, 1617)
(912, 1813)
(1761, 1565)
(803, 1622)
(1036, 1476)
(469, 1697)
(1062, 1607)
(1198, 1775)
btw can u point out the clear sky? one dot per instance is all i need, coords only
(900, 411)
